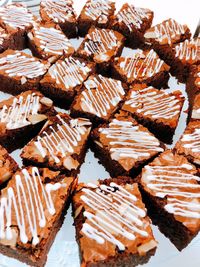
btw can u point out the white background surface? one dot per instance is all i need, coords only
(64, 252)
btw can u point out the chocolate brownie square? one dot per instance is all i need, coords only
(17, 20)
(33, 206)
(171, 192)
(8, 166)
(5, 39)
(48, 42)
(60, 12)
(64, 79)
(158, 110)
(95, 13)
(132, 22)
(123, 146)
(189, 143)
(22, 117)
(101, 46)
(112, 227)
(98, 99)
(142, 67)
(60, 145)
(20, 72)
(186, 54)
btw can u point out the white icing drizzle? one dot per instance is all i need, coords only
(70, 72)
(169, 29)
(58, 10)
(98, 9)
(128, 141)
(20, 65)
(114, 212)
(100, 41)
(52, 40)
(183, 198)
(192, 140)
(3, 35)
(132, 16)
(63, 138)
(16, 115)
(141, 65)
(101, 95)
(16, 16)
(156, 103)
(25, 201)
(188, 50)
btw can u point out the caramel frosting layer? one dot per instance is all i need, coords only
(150, 103)
(58, 11)
(141, 66)
(98, 10)
(172, 178)
(188, 51)
(16, 16)
(189, 144)
(128, 142)
(59, 141)
(101, 44)
(100, 96)
(168, 32)
(132, 17)
(23, 110)
(29, 207)
(115, 220)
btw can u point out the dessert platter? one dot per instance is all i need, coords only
(99, 136)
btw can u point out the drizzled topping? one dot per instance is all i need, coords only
(58, 10)
(18, 113)
(132, 16)
(16, 16)
(100, 41)
(168, 31)
(113, 214)
(196, 108)
(189, 50)
(63, 138)
(30, 203)
(69, 72)
(154, 103)
(52, 41)
(141, 65)
(3, 35)
(177, 184)
(191, 140)
(128, 141)
(102, 95)
(98, 9)
(21, 65)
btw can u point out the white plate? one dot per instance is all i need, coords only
(64, 251)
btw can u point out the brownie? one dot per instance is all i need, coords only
(49, 42)
(142, 67)
(64, 79)
(123, 146)
(8, 166)
(61, 145)
(96, 13)
(163, 36)
(22, 117)
(132, 22)
(189, 143)
(60, 12)
(195, 115)
(20, 72)
(170, 187)
(112, 227)
(101, 46)
(186, 54)
(17, 20)
(5, 39)
(33, 206)
(158, 110)
(98, 99)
